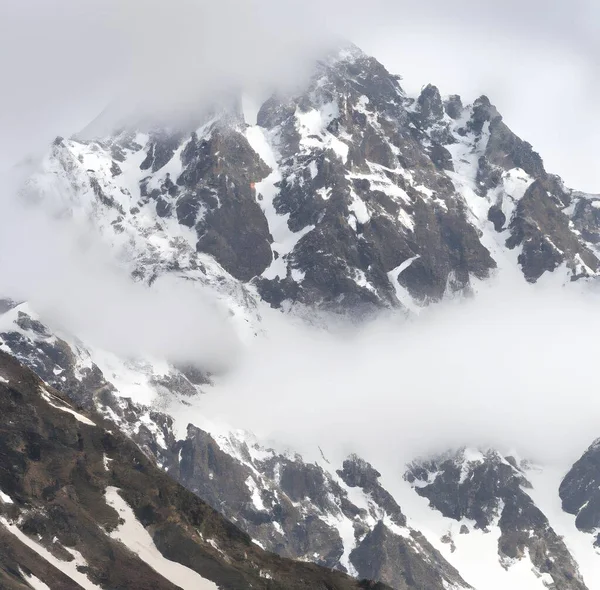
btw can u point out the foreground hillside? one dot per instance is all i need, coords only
(83, 507)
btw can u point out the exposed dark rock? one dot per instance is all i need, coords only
(453, 106)
(358, 473)
(508, 151)
(586, 219)
(163, 207)
(393, 558)
(580, 490)
(483, 112)
(544, 231)
(160, 150)
(441, 157)
(489, 490)
(430, 106)
(497, 217)
(233, 229)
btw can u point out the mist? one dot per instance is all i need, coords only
(70, 278)
(513, 368)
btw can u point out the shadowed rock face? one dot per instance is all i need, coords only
(453, 106)
(544, 231)
(580, 491)
(357, 473)
(390, 557)
(56, 467)
(217, 178)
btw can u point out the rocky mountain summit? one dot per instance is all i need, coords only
(347, 196)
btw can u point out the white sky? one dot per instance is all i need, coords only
(62, 61)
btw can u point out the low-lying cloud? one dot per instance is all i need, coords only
(66, 60)
(513, 368)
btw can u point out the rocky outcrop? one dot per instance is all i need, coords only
(357, 473)
(391, 557)
(544, 232)
(217, 179)
(580, 491)
(490, 491)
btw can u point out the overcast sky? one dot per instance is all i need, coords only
(63, 61)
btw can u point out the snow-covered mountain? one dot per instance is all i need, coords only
(348, 194)
(348, 197)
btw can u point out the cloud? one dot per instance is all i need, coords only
(71, 279)
(513, 368)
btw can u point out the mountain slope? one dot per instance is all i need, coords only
(350, 518)
(292, 507)
(73, 492)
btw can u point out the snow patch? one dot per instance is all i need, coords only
(49, 399)
(254, 490)
(5, 498)
(136, 538)
(34, 582)
(402, 293)
(312, 126)
(69, 568)
(284, 240)
(359, 208)
(106, 461)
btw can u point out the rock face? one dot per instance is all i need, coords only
(389, 557)
(217, 177)
(580, 491)
(489, 492)
(537, 216)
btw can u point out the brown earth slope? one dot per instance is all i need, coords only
(55, 466)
